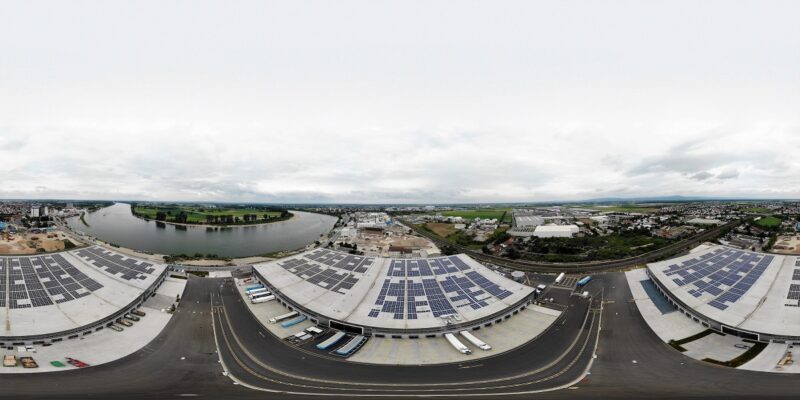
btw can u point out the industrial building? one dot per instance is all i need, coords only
(398, 298)
(47, 298)
(748, 294)
(549, 231)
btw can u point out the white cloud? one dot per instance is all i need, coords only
(398, 103)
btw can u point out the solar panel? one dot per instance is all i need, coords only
(724, 274)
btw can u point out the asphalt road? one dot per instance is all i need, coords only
(183, 361)
(259, 359)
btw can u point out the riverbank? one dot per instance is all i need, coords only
(226, 226)
(209, 216)
(117, 225)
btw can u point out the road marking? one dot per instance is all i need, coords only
(409, 392)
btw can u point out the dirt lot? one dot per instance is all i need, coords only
(441, 229)
(29, 243)
(787, 245)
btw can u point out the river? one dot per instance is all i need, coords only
(115, 224)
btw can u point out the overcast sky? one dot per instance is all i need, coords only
(430, 101)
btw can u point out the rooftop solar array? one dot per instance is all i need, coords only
(725, 274)
(392, 293)
(3, 286)
(36, 281)
(793, 296)
(117, 265)
(334, 271)
(433, 287)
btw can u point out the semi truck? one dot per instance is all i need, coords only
(457, 344)
(477, 342)
(280, 318)
(560, 277)
(257, 291)
(251, 289)
(263, 299)
(331, 340)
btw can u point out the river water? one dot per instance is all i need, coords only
(115, 224)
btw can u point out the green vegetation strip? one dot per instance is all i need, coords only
(212, 216)
(678, 344)
(493, 213)
(769, 222)
(83, 220)
(743, 358)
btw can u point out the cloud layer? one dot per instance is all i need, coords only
(363, 102)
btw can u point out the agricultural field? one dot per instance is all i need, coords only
(483, 213)
(441, 229)
(625, 208)
(769, 222)
(758, 210)
(200, 215)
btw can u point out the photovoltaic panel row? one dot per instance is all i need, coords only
(3, 287)
(342, 261)
(726, 274)
(37, 281)
(793, 295)
(330, 277)
(115, 264)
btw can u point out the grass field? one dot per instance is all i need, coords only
(197, 215)
(759, 210)
(625, 208)
(441, 229)
(483, 213)
(769, 222)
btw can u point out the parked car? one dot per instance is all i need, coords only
(125, 322)
(77, 363)
(115, 328)
(10, 360)
(28, 362)
(138, 313)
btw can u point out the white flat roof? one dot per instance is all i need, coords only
(557, 228)
(392, 293)
(738, 288)
(44, 295)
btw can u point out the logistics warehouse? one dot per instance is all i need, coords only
(400, 298)
(51, 297)
(748, 294)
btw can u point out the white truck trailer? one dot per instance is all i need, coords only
(457, 344)
(262, 299)
(280, 318)
(477, 342)
(560, 277)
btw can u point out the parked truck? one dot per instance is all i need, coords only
(280, 318)
(262, 299)
(457, 344)
(584, 281)
(477, 342)
(560, 277)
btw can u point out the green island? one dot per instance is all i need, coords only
(191, 214)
